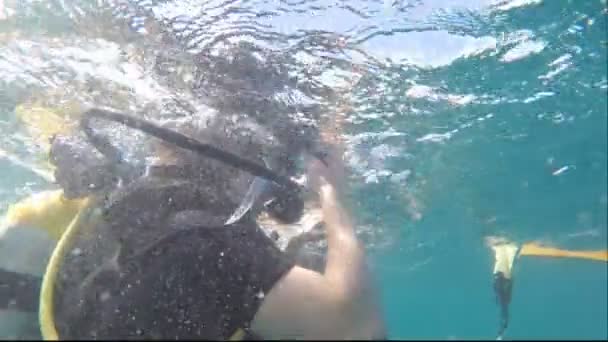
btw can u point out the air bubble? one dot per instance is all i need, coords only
(105, 296)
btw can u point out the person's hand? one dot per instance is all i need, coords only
(327, 173)
(317, 174)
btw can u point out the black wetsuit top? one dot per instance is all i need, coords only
(199, 283)
(180, 273)
(140, 273)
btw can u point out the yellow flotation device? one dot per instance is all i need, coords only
(534, 249)
(46, 210)
(60, 217)
(46, 307)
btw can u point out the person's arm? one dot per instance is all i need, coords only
(336, 304)
(310, 305)
(345, 256)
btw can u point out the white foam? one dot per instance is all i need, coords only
(538, 96)
(435, 137)
(508, 5)
(429, 49)
(418, 91)
(523, 50)
(565, 64)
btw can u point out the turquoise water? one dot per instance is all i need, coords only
(474, 118)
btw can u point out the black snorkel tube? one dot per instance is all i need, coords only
(288, 205)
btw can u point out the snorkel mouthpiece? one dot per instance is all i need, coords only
(287, 206)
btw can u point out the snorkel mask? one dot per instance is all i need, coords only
(278, 195)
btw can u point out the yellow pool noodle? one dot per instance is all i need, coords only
(534, 249)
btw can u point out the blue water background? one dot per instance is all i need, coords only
(492, 173)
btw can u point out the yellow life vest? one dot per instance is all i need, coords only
(46, 210)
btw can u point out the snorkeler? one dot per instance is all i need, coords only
(207, 280)
(504, 256)
(157, 234)
(149, 253)
(505, 253)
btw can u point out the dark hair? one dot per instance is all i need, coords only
(263, 85)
